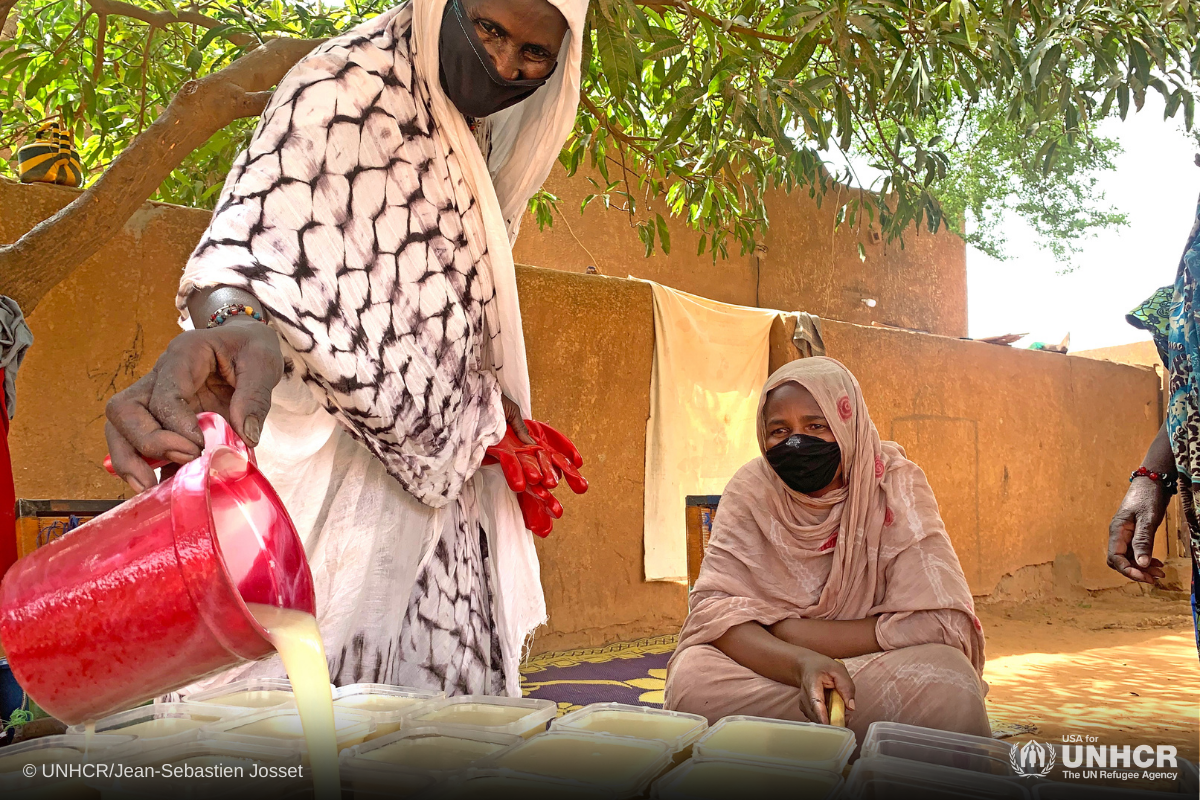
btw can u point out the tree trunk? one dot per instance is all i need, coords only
(54, 248)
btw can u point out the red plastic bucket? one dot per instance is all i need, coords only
(152, 595)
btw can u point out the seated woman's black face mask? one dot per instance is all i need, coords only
(805, 463)
(468, 76)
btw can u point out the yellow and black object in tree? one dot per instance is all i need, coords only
(51, 157)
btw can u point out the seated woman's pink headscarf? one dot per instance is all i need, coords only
(891, 554)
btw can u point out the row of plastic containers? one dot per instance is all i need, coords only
(398, 742)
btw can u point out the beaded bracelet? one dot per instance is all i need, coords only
(232, 310)
(1170, 483)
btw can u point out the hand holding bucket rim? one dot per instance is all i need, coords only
(152, 595)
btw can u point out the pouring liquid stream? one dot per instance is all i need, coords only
(298, 639)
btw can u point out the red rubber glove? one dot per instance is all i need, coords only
(531, 470)
(562, 454)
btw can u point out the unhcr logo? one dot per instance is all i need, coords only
(1033, 759)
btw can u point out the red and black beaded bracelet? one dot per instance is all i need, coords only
(1170, 483)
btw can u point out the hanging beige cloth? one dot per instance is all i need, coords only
(710, 362)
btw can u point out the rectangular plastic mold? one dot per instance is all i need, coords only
(718, 780)
(396, 702)
(958, 750)
(180, 722)
(15, 756)
(416, 749)
(260, 694)
(889, 778)
(192, 787)
(352, 727)
(794, 744)
(520, 716)
(677, 730)
(621, 765)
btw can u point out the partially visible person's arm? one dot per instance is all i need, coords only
(756, 649)
(1131, 533)
(835, 638)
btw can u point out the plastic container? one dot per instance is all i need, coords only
(1189, 777)
(677, 730)
(246, 696)
(269, 728)
(774, 741)
(888, 778)
(155, 725)
(622, 765)
(203, 768)
(499, 784)
(958, 750)
(719, 780)
(152, 595)
(65, 749)
(387, 704)
(438, 751)
(520, 716)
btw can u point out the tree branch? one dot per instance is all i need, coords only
(5, 7)
(161, 19)
(613, 128)
(724, 24)
(51, 251)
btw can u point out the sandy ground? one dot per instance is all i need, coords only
(1121, 668)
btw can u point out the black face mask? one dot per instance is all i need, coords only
(469, 78)
(805, 463)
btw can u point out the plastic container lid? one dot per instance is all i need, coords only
(958, 750)
(521, 716)
(387, 704)
(676, 729)
(431, 749)
(277, 725)
(878, 777)
(622, 765)
(774, 741)
(718, 780)
(156, 725)
(63, 749)
(250, 695)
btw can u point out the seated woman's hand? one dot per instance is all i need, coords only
(816, 674)
(230, 370)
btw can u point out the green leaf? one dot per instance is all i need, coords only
(664, 235)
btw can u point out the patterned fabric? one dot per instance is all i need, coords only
(1177, 335)
(1154, 316)
(448, 641)
(349, 218)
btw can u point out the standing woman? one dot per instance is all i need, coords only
(355, 315)
(1172, 462)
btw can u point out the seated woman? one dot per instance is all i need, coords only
(829, 547)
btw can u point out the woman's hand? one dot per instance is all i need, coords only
(512, 414)
(230, 370)
(1131, 533)
(816, 674)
